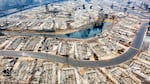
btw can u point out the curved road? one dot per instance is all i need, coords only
(80, 63)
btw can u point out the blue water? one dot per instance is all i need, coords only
(86, 33)
(20, 5)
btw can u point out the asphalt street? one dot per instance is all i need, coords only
(140, 36)
(81, 63)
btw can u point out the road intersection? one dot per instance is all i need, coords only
(132, 51)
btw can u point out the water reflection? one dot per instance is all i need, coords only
(86, 33)
(8, 7)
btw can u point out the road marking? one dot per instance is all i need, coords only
(134, 48)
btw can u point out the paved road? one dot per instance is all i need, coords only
(140, 36)
(30, 34)
(80, 63)
(137, 13)
(145, 46)
(146, 43)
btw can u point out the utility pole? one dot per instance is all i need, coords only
(46, 8)
(54, 29)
